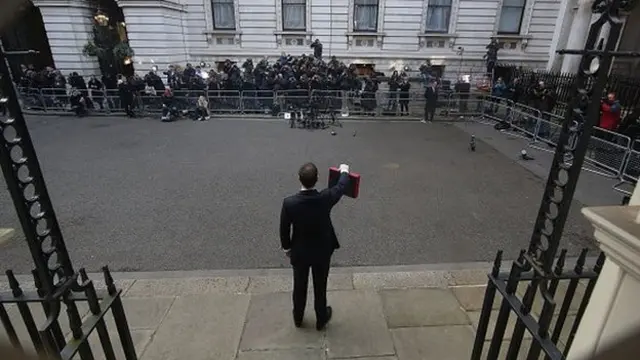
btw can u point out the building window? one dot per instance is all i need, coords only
(294, 15)
(438, 16)
(224, 14)
(511, 16)
(365, 15)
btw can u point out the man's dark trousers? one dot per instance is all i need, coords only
(430, 104)
(320, 273)
(429, 111)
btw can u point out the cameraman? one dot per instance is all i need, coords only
(394, 84)
(78, 103)
(404, 97)
(317, 49)
(97, 91)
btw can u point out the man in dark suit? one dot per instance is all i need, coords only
(313, 240)
(430, 101)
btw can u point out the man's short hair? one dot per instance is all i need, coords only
(308, 175)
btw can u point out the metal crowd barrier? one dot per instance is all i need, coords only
(610, 154)
(630, 171)
(462, 105)
(379, 103)
(495, 109)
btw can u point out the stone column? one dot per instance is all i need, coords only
(612, 312)
(156, 32)
(69, 26)
(577, 35)
(561, 33)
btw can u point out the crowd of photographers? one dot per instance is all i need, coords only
(292, 79)
(538, 95)
(294, 76)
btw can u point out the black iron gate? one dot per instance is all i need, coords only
(535, 266)
(57, 283)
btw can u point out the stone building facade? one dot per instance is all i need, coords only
(385, 33)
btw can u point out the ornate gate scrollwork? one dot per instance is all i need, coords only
(56, 281)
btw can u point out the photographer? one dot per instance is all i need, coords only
(405, 86)
(78, 103)
(97, 91)
(125, 94)
(203, 108)
(630, 126)
(369, 96)
(610, 113)
(317, 49)
(394, 84)
(516, 91)
(462, 88)
(497, 93)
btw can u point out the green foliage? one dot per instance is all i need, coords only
(122, 50)
(90, 49)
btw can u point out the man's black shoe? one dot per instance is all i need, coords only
(320, 325)
(297, 321)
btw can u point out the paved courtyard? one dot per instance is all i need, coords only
(141, 195)
(390, 315)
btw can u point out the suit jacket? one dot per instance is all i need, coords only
(431, 95)
(308, 214)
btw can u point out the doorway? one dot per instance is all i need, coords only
(27, 32)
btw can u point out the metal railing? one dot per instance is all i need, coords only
(22, 314)
(609, 154)
(608, 151)
(544, 309)
(379, 103)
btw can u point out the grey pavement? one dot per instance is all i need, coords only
(140, 195)
(393, 314)
(592, 190)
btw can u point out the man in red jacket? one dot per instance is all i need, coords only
(610, 109)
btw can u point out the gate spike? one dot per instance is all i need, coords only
(83, 275)
(75, 322)
(581, 260)
(497, 263)
(14, 284)
(560, 262)
(108, 280)
(600, 262)
(37, 282)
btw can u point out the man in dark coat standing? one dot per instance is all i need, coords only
(313, 240)
(430, 101)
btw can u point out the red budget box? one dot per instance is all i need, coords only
(353, 188)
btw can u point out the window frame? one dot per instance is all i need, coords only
(305, 3)
(429, 5)
(353, 18)
(235, 15)
(521, 21)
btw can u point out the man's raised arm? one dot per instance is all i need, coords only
(336, 192)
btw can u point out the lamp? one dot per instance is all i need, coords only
(101, 18)
(154, 68)
(127, 61)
